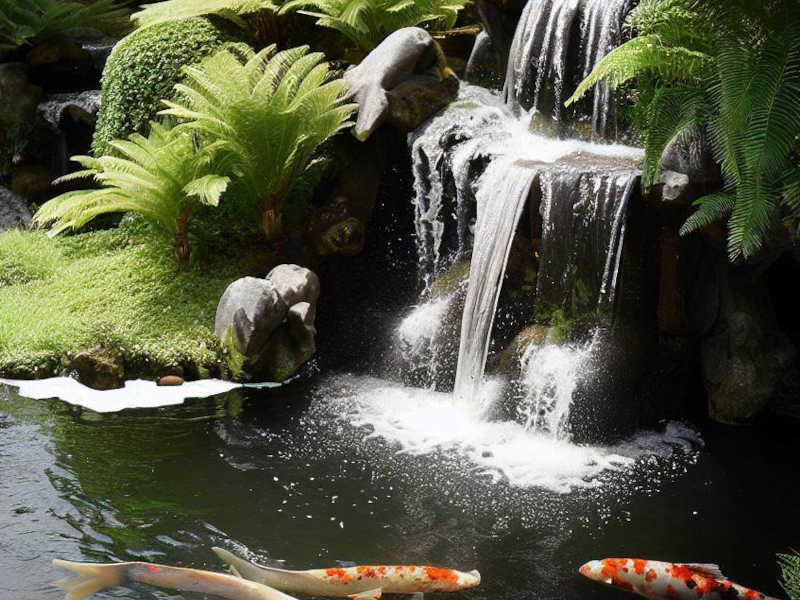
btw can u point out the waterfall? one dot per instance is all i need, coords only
(557, 43)
(485, 161)
(502, 195)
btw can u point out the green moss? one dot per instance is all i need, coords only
(119, 290)
(143, 70)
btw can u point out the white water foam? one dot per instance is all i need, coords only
(424, 422)
(137, 393)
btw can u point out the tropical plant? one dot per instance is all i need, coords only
(21, 22)
(161, 177)
(733, 70)
(790, 578)
(171, 10)
(266, 115)
(367, 22)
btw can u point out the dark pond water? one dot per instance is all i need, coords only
(274, 474)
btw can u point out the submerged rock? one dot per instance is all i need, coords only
(403, 82)
(266, 326)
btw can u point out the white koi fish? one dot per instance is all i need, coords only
(93, 578)
(668, 581)
(363, 582)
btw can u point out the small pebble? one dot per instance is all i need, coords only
(170, 380)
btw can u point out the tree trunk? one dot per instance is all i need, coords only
(182, 250)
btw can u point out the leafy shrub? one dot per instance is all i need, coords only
(266, 114)
(790, 579)
(171, 10)
(22, 21)
(732, 68)
(160, 177)
(367, 22)
(143, 70)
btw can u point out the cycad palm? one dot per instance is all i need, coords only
(160, 177)
(367, 22)
(267, 113)
(23, 21)
(733, 68)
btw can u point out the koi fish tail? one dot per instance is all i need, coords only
(241, 567)
(91, 578)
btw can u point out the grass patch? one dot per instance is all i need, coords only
(118, 290)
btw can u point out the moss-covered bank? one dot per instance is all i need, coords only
(118, 293)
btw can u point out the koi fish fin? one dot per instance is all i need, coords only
(708, 569)
(245, 569)
(368, 595)
(91, 578)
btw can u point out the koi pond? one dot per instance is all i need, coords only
(288, 477)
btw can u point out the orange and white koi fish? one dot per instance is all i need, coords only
(93, 578)
(362, 583)
(668, 581)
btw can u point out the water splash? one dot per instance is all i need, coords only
(550, 374)
(416, 340)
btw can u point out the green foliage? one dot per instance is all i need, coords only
(790, 579)
(265, 114)
(23, 21)
(143, 70)
(171, 10)
(159, 177)
(367, 22)
(22, 262)
(733, 69)
(116, 289)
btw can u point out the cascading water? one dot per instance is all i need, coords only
(544, 66)
(502, 195)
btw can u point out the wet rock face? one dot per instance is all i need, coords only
(403, 82)
(745, 356)
(266, 326)
(13, 211)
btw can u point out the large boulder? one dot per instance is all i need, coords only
(266, 326)
(403, 82)
(13, 211)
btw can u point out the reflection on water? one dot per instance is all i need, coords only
(277, 474)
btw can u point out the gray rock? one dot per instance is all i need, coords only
(295, 284)
(677, 188)
(692, 156)
(13, 211)
(247, 314)
(266, 326)
(404, 54)
(18, 100)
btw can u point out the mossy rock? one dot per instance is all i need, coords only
(144, 68)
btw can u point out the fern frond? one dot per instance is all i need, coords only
(645, 55)
(171, 10)
(790, 574)
(710, 209)
(367, 22)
